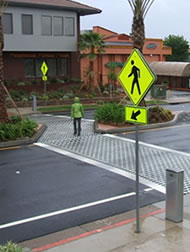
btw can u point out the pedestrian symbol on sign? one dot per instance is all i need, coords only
(135, 71)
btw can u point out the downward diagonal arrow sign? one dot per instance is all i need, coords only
(135, 114)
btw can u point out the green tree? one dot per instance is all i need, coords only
(3, 110)
(140, 9)
(180, 48)
(90, 44)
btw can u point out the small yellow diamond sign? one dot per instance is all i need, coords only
(136, 77)
(136, 115)
(44, 68)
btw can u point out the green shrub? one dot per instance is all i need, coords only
(21, 83)
(17, 129)
(65, 97)
(15, 119)
(111, 113)
(55, 94)
(18, 95)
(70, 94)
(10, 247)
(100, 102)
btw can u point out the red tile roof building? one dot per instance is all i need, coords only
(119, 48)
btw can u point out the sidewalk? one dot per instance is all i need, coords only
(117, 234)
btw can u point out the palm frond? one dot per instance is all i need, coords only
(140, 7)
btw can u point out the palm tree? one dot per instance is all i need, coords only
(90, 44)
(3, 110)
(140, 9)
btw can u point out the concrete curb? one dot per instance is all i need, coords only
(25, 141)
(141, 127)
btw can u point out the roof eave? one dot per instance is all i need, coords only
(80, 11)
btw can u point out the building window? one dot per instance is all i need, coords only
(69, 26)
(46, 25)
(29, 68)
(27, 24)
(7, 22)
(57, 26)
(56, 67)
(38, 67)
(51, 63)
(63, 67)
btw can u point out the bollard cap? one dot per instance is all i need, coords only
(175, 170)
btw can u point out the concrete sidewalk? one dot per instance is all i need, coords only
(117, 234)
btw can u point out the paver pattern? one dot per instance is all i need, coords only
(116, 152)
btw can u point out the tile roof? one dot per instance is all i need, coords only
(81, 9)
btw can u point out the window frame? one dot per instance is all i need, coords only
(69, 34)
(51, 30)
(11, 24)
(29, 15)
(62, 19)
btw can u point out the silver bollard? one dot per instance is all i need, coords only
(174, 195)
(34, 103)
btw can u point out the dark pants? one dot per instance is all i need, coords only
(77, 124)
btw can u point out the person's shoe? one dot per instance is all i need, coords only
(78, 134)
(74, 134)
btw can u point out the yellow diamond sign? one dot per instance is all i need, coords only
(44, 68)
(136, 77)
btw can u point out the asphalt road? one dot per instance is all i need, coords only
(43, 192)
(175, 137)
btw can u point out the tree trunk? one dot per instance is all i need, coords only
(3, 109)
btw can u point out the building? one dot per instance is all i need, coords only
(119, 47)
(175, 74)
(42, 30)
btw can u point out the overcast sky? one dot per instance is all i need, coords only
(164, 18)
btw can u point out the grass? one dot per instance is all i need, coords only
(65, 108)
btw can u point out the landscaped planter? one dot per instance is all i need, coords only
(22, 104)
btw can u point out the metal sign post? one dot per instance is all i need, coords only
(136, 78)
(137, 179)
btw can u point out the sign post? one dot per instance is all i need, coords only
(136, 78)
(44, 69)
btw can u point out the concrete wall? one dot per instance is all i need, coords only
(37, 42)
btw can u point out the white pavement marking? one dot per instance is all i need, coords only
(68, 117)
(104, 166)
(43, 216)
(150, 145)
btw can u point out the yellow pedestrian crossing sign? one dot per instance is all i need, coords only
(136, 77)
(44, 69)
(136, 114)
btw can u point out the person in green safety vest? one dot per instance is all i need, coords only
(77, 112)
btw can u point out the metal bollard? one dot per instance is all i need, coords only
(174, 195)
(34, 103)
